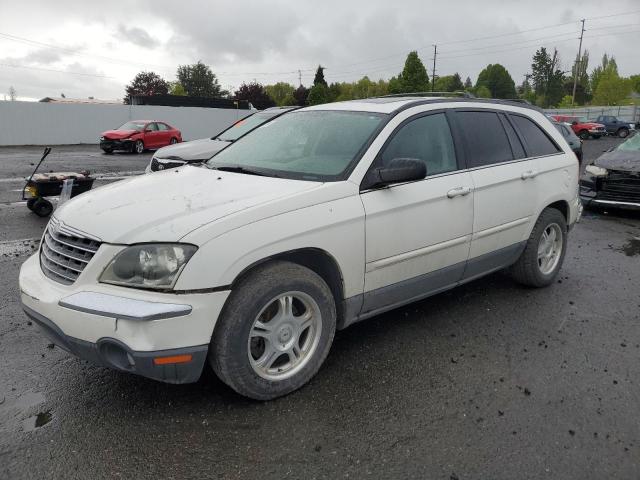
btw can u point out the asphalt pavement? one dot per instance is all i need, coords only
(487, 381)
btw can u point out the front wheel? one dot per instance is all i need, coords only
(584, 134)
(275, 331)
(42, 207)
(544, 252)
(138, 147)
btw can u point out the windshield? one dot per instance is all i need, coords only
(243, 126)
(305, 145)
(132, 126)
(631, 145)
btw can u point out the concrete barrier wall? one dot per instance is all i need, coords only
(35, 123)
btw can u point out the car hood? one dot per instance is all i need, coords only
(628, 161)
(202, 149)
(117, 134)
(166, 206)
(590, 125)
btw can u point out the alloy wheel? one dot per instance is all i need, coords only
(550, 248)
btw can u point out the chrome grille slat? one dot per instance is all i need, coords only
(64, 253)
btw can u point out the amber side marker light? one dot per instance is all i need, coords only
(172, 359)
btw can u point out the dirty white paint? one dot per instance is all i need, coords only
(35, 123)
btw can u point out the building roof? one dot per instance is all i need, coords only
(89, 100)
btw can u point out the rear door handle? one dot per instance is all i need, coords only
(459, 192)
(529, 174)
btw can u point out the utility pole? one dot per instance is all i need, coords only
(433, 72)
(300, 77)
(575, 69)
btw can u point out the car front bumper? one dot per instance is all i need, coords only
(157, 335)
(107, 144)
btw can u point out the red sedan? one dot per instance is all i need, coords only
(139, 135)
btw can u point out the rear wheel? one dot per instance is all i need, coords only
(275, 331)
(173, 141)
(42, 207)
(584, 134)
(623, 133)
(138, 147)
(31, 202)
(108, 151)
(544, 252)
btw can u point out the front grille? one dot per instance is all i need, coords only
(157, 165)
(64, 253)
(621, 187)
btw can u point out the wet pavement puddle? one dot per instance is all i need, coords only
(631, 248)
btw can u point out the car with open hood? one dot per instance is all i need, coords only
(316, 220)
(196, 152)
(136, 136)
(613, 179)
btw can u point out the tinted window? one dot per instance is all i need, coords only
(562, 129)
(516, 144)
(538, 143)
(427, 139)
(486, 139)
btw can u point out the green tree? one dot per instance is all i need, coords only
(301, 95)
(635, 83)
(449, 83)
(319, 78)
(608, 66)
(497, 80)
(281, 93)
(413, 77)
(612, 90)
(483, 92)
(254, 93)
(318, 94)
(565, 102)
(199, 81)
(146, 83)
(468, 85)
(579, 69)
(176, 88)
(547, 78)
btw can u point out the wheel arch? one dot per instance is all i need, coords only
(315, 259)
(562, 206)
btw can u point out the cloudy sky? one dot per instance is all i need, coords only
(84, 48)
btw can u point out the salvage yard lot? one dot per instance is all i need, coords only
(489, 380)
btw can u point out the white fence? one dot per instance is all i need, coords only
(629, 113)
(36, 123)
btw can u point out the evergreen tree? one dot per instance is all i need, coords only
(199, 81)
(319, 78)
(413, 77)
(300, 95)
(547, 78)
(497, 80)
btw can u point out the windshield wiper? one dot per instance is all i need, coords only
(245, 170)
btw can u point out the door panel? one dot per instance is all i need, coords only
(417, 229)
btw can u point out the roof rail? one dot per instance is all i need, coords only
(431, 94)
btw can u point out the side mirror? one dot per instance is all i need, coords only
(399, 170)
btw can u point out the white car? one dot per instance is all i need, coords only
(320, 218)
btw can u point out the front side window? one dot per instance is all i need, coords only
(162, 127)
(304, 145)
(427, 139)
(485, 137)
(538, 143)
(152, 127)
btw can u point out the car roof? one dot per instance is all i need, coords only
(394, 104)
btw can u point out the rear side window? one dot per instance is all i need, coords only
(486, 139)
(426, 138)
(536, 140)
(516, 144)
(162, 127)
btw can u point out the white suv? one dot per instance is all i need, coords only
(321, 218)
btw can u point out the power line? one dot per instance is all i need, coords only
(53, 70)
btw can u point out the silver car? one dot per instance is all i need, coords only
(198, 151)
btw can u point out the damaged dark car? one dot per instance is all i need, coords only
(613, 180)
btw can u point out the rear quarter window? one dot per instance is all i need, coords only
(485, 137)
(536, 140)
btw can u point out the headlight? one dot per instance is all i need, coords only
(148, 266)
(101, 138)
(596, 171)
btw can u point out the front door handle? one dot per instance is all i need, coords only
(529, 174)
(459, 192)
